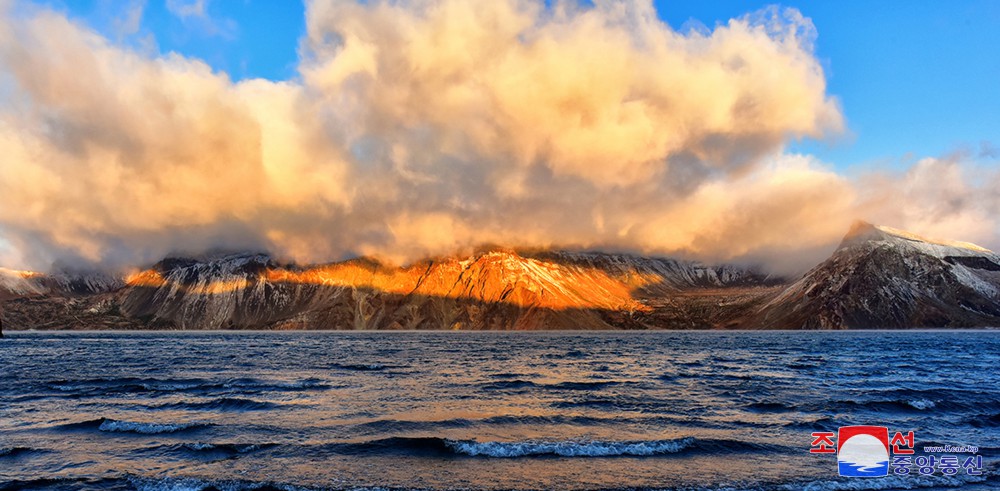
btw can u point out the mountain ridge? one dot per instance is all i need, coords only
(879, 277)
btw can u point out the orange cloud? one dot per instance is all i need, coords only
(421, 128)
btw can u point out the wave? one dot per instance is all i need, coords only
(568, 448)
(360, 367)
(198, 484)
(452, 448)
(551, 420)
(508, 384)
(121, 426)
(127, 384)
(233, 448)
(906, 399)
(574, 353)
(435, 446)
(885, 483)
(18, 451)
(583, 385)
(506, 375)
(619, 404)
(903, 405)
(105, 386)
(770, 407)
(910, 404)
(920, 404)
(221, 404)
(398, 425)
(118, 426)
(60, 483)
(525, 384)
(984, 421)
(821, 422)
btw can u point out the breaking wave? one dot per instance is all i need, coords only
(568, 448)
(117, 426)
(429, 446)
(122, 426)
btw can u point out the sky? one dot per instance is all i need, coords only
(728, 130)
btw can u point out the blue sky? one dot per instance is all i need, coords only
(915, 79)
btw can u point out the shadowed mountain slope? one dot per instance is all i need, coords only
(881, 277)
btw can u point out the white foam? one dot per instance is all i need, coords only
(194, 484)
(568, 448)
(112, 425)
(168, 387)
(888, 482)
(920, 404)
(200, 446)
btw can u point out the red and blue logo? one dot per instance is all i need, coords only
(863, 451)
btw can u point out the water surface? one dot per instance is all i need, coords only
(468, 410)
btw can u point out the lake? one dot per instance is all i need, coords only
(486, 410)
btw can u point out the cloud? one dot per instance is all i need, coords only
(609, 95)
(952, 197)
(424, 127)
(185, 9)
(195, 13)
(129, 22)
(987, 150)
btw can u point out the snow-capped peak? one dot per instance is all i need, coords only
(902, 234)
(866, 233)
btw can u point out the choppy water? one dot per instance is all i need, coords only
(336, 410)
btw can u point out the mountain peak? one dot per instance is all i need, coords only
(863, 232)
(860, 231)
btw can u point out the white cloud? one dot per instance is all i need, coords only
(427, 127)
(187, 8)
(195, 14)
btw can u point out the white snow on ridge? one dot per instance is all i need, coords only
(984, 282)
(937, 247)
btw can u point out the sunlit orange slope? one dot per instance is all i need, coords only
(495, 277)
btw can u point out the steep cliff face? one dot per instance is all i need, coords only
(881, 277)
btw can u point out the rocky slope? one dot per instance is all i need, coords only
(882, 278)
(878, 278)
(490, 290)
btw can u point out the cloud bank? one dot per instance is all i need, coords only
(429, 127)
